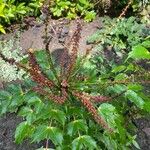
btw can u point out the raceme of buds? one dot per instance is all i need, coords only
(88, 104)
(100, 98)
(57, 99)
(36, 73)
(74, 48)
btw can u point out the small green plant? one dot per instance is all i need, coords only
(119, 34)
(11, 10)
(71, 9)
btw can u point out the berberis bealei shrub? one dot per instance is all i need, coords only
(72, 104)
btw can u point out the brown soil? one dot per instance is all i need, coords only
(8, 125)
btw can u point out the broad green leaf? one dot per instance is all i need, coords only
(83, 1)
(88, 65)
(109, 142)
(146, 44)
(135, 87)
(2, 29)
(130, 67)
(139, 52)
(2, 6)
(79, 7)
(119, 69)
(29, 95)
(5, 95)
(5, 100)
(136, 144)
(22, 131)
(75, 111)
(84, 142)
(89, 16)
(71, 15)
(117, 88)
(47, 132)
(121, 76)
(17, 100)
(57, 115)
(34, 100)
(15, 89)
(75, 126)
(147, 106)
(133, 96)
(109, 113)
(28, 113)
(22, 12)
(25, 111)
(132, 140)
(37, 103)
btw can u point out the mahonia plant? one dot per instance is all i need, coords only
(63, 82)
(50, 101)
(67, 104)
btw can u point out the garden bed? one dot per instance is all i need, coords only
(33, 36)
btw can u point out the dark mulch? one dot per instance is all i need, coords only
(8, 125)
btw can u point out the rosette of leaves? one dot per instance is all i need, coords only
(67, 104)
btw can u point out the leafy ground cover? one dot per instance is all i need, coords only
(89, 101)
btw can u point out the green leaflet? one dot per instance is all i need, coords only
(83, 142)
(139, 52)
(2, 29)
(5, 100)
(147, 106)
(146, 44)
(109, 113)
(47, 132)
(133, 96)
(75, 126)
(23, 130)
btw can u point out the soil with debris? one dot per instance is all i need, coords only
(34, 36)
(8, 125)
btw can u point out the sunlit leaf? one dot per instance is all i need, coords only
(47, 132)
(75, 126)
(22, 131)
(109, 113)
(133, 96)
(83, 142)
(139, 52)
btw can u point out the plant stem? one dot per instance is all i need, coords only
(47, 144)
(49, 57)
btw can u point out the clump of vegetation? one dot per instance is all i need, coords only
(11, 10)
(71, 9)
(11, 49)
(120, 34)
(113, 8)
